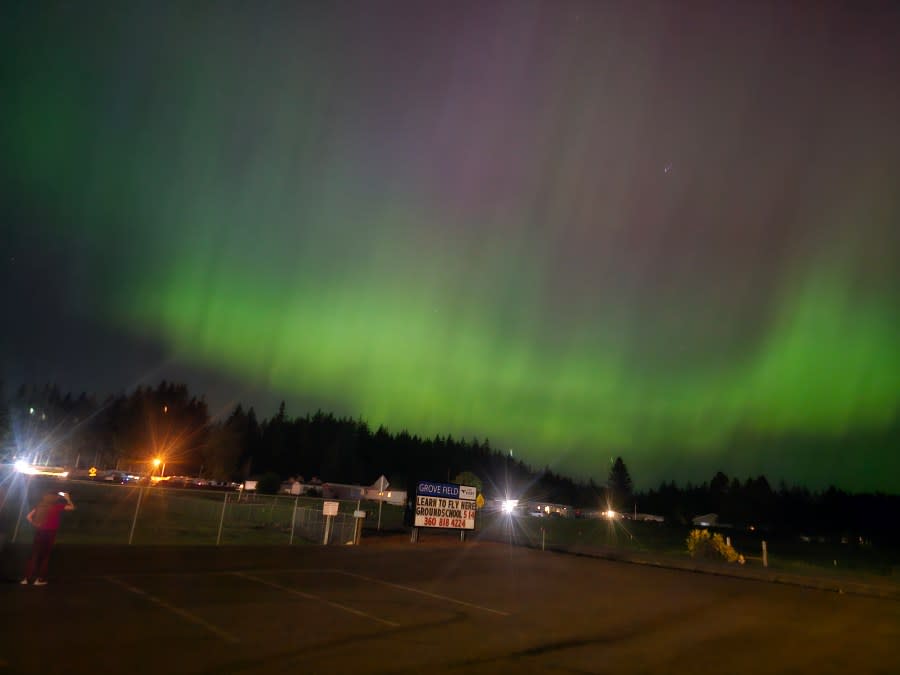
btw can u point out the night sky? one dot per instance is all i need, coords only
(579, 229)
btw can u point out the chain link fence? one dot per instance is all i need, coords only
(147, 515)
(115, 514)
(310, 525)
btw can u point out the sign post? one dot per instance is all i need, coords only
(247, 485)
(329, 510)
(359, 516)
(382, 485)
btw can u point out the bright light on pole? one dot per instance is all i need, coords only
(159, 464)
(509, 505)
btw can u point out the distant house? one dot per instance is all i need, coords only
(380, 490)
(706, 520)
(545, 509)
(342, 491)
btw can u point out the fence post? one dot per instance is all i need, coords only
(765, 555)
(542, 539)
(21, 510)
(137, 509)
(327, 529)
(293, 521)
(222, 520)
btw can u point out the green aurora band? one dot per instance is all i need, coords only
(237, 205)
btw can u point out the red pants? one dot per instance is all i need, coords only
(40, 554)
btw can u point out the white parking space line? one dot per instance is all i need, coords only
(421, 592)
(183, 613)
(310, 596)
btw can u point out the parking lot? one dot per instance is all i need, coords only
(439, 607)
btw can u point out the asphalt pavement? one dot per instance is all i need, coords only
(435, 607)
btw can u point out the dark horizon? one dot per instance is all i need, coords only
(685, 476)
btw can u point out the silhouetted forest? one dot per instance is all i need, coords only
(129, 430)
(46, 426)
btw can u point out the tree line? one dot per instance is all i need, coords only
(754, 503)
(128, 430)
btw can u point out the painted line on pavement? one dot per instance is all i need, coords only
(310, 596)
(183, 613)
(421, 592)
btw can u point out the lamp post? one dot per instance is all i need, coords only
(157, 463)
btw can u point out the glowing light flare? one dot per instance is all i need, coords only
(24, 467)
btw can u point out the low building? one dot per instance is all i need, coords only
(380, 490)
(549, 509)
(706, 520)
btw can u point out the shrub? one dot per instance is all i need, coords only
(702, 544)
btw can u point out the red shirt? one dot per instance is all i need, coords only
(51, 519)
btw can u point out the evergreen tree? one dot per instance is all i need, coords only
(619, 483)
(718, 493)
(469, 478)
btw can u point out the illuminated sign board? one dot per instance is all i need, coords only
(445, 505)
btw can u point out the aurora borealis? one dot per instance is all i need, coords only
(578, 229)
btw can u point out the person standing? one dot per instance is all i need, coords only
(45, 518)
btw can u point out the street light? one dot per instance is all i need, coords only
(156, 464)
